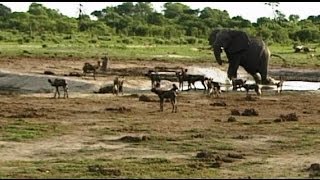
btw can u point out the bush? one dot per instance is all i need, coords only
(191, 40)
(104, 38)
(127, 41)
(20, 41)
(183, 41)
(56, 41)
(44, 46)
(26, 39)
(159, 41)
(2, 38)
(93, 41)
(67, 37)
(43, 38)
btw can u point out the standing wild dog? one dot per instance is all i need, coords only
(213, 87)
(59, 83)
(89, 68)
(118, 85)
(237, 83)
(194, 78)
(182, 76)
(154, 77)
(167, 94)
(254, 87)
(279, 85)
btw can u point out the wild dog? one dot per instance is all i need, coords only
(279, 85)
(154, 77)
(194, 78)
(89, 68)
(167, 94)
(254, 87)
(237, 83)
(117, 85)
(213, 87)
(59, 83)
(182, 76)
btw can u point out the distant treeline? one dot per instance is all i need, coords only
(140, 19)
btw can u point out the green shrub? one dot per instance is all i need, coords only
(20, 41)
(44, 46)
(104, 38)
(67, 37)
(191, 40)
(43, 37)
(26, 39)
(183, 41)
(2, 38)
(127, 41)
(159, 41)
(93, 41)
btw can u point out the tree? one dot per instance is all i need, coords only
(174, 10)
(294, 18)
(4, 11)
(273, 5)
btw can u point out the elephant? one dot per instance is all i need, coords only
(241, 50)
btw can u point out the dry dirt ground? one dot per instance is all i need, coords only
(107, 136)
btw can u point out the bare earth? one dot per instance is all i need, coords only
(85, 129)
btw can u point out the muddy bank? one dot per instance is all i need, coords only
(296, 75)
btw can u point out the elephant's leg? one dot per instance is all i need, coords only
(233, 67)
(264, 66)
(257, 78)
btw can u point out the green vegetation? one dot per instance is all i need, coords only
(137, 31)
(178, 24)
(22, 130)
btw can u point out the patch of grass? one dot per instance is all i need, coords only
(22, 130)
(152, 52)
(85, 168)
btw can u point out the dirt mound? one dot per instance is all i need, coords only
(314, 170)
(232, 119)
(103, 170)
(288, 117)
(235, 112)
(134, 138)
(105, 89)
(146, 98)
(221, 103)
(120, 109)
(250, 112)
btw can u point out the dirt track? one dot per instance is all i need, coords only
(87, 127)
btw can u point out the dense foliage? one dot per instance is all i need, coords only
(140, 19)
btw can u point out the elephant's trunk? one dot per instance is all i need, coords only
(217, 53)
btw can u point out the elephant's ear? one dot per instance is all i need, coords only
(240, 41)
(212, 37)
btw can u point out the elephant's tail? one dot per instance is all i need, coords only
(283, 59)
